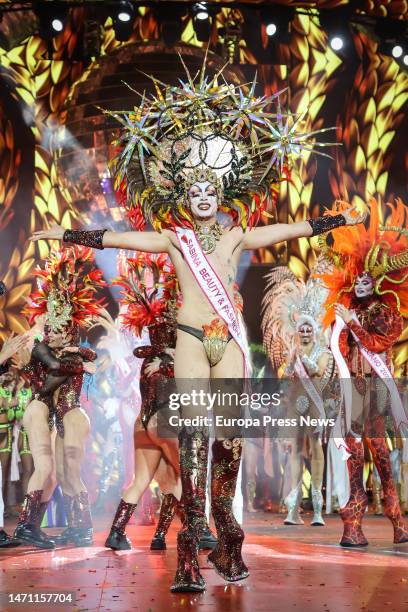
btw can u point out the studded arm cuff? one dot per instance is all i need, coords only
(93, 238)
(326, 223)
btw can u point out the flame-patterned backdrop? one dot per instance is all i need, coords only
(54, 140)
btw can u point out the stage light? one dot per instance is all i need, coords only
(336, 23)
(405, 60)
(397, 51)
(123, 17)
(201, 21)
(52, 17)
(271, 29)
(277, 20)
(336, 43)
(57, 25)
(201, 11)
(393, 37)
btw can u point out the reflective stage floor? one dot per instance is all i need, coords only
(292, 569)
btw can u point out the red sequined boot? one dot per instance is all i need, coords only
(226, 557)
(193, 471)
(167, 510)
(69, 532)
(381, 457)
(117, 538)
(27, 530)
(82, 534)
(352, 514)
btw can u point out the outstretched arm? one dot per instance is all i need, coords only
(271, 234)
(149, 242)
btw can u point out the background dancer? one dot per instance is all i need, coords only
(293, 337)
(65, 294)
(368, 295)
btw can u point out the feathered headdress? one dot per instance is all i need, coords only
(380, 251)
(66, 288)
(149, 293)
(288, 303)
(204, 130)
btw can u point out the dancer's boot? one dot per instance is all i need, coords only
(7, 541)
(68, 534)
(27, 531)
(193, 471)
(381, 457)
(226, 557)
(82, 533)
(167, 510)
(292, 503)
(117, 538)
(317, 501)
(353, 512)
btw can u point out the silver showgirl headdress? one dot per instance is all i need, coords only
(288, 304)
(205, 129)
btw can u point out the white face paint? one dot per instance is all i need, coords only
(305, 332)
(203, 199)
(364, 286)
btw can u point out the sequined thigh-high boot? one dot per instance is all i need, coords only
(27, 530)
(167, 510)
(193, 471)
(226, 557)
(353, 512)
(375, 433)
(117, 538)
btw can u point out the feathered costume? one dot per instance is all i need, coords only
(288, 305)
(378, 254)
(205, 130)
(66, 296)
(149, 297)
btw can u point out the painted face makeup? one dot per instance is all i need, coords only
(363, 286)
(203, 199)
(305, 332)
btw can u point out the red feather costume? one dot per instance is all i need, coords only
(379, 254)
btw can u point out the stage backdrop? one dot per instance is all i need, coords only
(54, 141)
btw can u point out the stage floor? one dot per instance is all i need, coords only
(292, 569)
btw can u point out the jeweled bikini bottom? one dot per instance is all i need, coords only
(214, 337)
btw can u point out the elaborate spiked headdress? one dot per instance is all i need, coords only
(288, 304)
(66, 288)
(380, 251)
(204, 130)
(149, 291)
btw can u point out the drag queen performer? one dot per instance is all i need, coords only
(66, 294)
(187, 153)
(150, 297)
(149, 301)
(369, 292)
(294, 337)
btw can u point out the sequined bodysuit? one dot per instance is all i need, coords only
(47, 373)
(161, 336)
